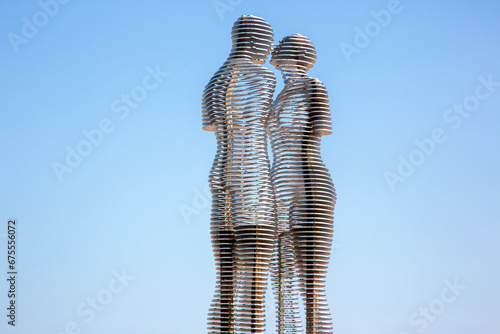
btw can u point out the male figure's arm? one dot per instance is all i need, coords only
(206, 122)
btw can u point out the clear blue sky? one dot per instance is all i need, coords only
(117, 240)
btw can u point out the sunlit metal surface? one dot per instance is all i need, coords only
(263, 219)
(236, 105)
(305, 193)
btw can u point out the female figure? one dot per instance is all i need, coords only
(305, 193)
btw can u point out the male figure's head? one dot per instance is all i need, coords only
(294, 52)
(252, 38)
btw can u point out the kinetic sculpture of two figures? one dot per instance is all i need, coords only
(265, 219)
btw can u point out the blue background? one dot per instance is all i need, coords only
(137, 201)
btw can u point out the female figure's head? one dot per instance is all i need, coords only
(294, 52)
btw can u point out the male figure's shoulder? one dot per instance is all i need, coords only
(256, 70)
(218, 76)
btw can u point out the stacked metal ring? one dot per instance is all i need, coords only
(236, 104)
(305, 193)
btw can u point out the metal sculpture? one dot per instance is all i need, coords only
(305, 193)
(236, 105)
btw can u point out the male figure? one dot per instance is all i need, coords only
(304, 190)
(236, 105)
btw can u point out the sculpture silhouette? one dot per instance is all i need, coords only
(236, 105)
(304, 190)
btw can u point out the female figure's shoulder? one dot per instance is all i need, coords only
(319, 108)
